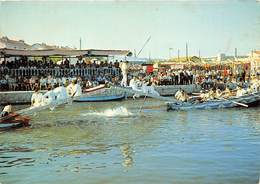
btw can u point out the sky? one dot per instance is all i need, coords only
(208, 26)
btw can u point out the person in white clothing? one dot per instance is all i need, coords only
(240, 92)
(134, 85)
(74, 89)
(36, 99)
(178, 94)
(43, 83)
(149, 89)
(6, 111)
(49, 97)
(61, 93)
(124, 68)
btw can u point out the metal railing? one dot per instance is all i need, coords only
(57, 72)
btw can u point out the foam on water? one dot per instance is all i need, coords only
(116, 112)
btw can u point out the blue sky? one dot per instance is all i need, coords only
(209, 26)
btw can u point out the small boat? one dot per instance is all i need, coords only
(13, 121)
(100, 98)
(11, 126)
(252, 99)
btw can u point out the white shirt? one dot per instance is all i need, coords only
(60, 93)
(124, 67)
(7, 108)
(36, 99)
(49, 97)
(77, 91)
(178, 94)
(74, 90)
(132, 82)
(240, 92)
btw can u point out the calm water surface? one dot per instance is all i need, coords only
(116, 143)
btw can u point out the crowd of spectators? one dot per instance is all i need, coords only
(204, 77)
(49, 64)
(10, 83)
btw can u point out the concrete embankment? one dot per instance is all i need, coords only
(24, 97)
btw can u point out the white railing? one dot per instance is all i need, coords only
(59, 72)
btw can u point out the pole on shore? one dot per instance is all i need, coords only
(79, 43)
(187, 54)
(170, 49)
(178, 55)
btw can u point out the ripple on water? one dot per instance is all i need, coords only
(73, 143)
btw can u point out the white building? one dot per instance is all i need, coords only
(254, 57)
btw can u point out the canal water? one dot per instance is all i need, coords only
(133, 142)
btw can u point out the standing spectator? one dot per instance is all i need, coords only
(43, 83)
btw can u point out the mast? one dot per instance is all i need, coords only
(79, 43)
(187, 54)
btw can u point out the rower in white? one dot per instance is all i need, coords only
(240, 92)
(37, 98)
(178, 94)
(255, 84)
(181, 95)
(6, 111)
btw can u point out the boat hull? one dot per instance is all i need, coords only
(11, 126)
(250, 100)
(100, 98)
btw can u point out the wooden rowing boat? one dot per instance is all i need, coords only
(249, 100)
(14, 121)
(11, 126)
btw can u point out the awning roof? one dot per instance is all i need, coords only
(62, 52)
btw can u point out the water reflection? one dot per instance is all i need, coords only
(127, 153)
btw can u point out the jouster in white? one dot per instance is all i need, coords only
(49, 97)
(60, 93)
(134, 84)
(149, 89)
(124, 68)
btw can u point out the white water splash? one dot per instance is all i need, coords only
(116, 112)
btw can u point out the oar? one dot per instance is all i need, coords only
(195, 93)
(238, 103)
(143, 104)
